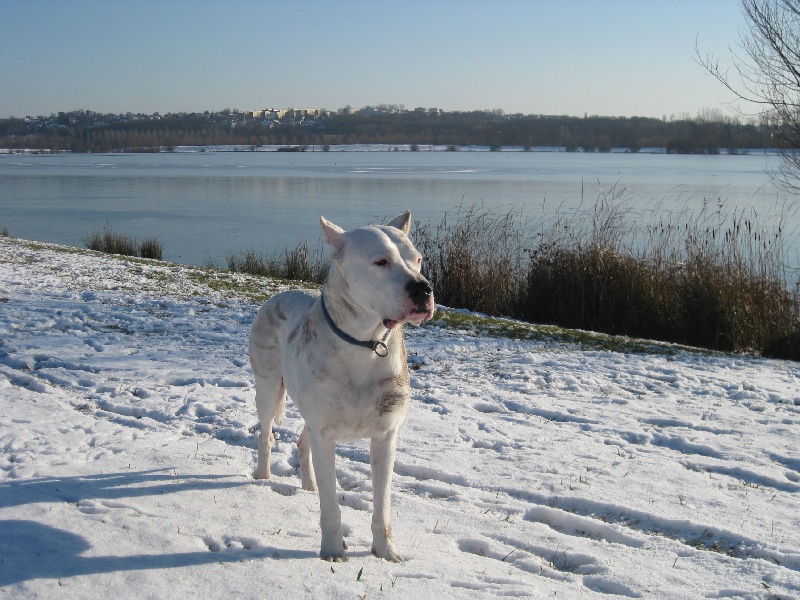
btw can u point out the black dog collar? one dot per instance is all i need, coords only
(380, 348)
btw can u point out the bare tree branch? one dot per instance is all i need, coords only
(767, 74)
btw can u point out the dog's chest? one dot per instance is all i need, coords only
(366, 408)
(347, 400)
(346, 391)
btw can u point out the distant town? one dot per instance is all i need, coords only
(708, 132)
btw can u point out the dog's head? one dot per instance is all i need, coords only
(380, 269)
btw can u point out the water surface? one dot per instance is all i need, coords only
(205, 205)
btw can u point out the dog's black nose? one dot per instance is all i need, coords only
(419, 291)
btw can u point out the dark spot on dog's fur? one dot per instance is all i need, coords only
(391, 400)
(273, 319)
(293, 334)
(394, 391)
(396, 382)
(268, 344)
(309, 333)
(344, 304)
(279, 313)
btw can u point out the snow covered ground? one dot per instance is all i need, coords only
(530, 467)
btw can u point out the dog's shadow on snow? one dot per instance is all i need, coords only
(35, 550)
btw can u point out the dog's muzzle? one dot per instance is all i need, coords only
(420, 292)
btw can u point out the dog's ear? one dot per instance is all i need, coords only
(402, 222)
(334, 234)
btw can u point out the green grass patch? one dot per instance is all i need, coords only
(497, 327)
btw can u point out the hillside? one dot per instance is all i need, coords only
(533, 462)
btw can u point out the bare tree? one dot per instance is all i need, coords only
(766, 72)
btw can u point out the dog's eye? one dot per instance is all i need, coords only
(381, 263)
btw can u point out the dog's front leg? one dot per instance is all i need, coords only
(323, 456)
(381, 452)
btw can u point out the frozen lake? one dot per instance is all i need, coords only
(204, 205)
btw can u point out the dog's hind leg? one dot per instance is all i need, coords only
(306, 464)
(270, 404)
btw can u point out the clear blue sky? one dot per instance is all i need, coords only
(603, 57)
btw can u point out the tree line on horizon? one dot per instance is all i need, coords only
(709, 132)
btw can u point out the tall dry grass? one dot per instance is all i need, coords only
(112, 242)
(712, 277)
(299, 264)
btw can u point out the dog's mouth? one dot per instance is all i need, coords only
(416, 316)
(421, 314)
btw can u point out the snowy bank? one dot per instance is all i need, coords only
(527, 467)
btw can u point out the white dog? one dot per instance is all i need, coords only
(340, 355)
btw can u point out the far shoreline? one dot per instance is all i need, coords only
(299, 148)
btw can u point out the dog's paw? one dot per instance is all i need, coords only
(333, 554)
(262, 473)
(338, 558)
(388, 553)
